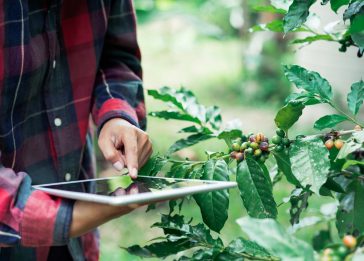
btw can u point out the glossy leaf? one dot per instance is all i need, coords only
(289, 115)
(310, 81)
(240, 247)
(269, 234)
(353, 9)
(189, 141)
(307, 167)
(284, 165)
(153, 166)
(274, 26)
(336, 4)
(255, 190)
(297, 14)
(214, 205)
(356, 97)
(329, 121)
(350, 214)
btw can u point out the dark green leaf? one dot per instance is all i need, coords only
(333, 185)
(179, 170)
(214, 205)
(352, 163)
(321, 240)
(311, 39)
(297, 14)
(284, 165)
(289, 115)
(160, 249)
(356, 97)
(174, 115)
(230, 134)
(329, 121)
(255, 190)
(353, 9)
(189, 141)
(310, 81)
(336, 4)
(299, 202)
(310, 162)
(269, 234)
(153, 166)
(350, 214)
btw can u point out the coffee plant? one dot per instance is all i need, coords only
(328, 164)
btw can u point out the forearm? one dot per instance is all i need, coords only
(88, 215)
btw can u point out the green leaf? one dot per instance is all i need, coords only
(213, 117)
(310, 81)
(297, 14)
(321, 240)
(153, 166)
(299, 202)
(352, 163)
(121, 182)
(351, 144)
(353, 9)
(272, 236)
(160, 249)
(174, 115)
(179, 170)
(255, 190)
(336, 4)
(350, 214)
(249, 249)
(189, 141)
(284, 165)
(310, 162)
(289, 115)
(356, 97)
(311, 39)
(274, 26)
(329, 121)
(214, 205)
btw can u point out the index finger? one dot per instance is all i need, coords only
(131, 155)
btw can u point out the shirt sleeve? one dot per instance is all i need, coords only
(118, 89)
(31, 217)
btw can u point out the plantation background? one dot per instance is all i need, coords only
(205, 46)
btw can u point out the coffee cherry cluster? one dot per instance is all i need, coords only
(255, 145)
(280, 140)
(339, 252)
(332, 140)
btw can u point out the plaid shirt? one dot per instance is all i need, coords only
(60, 62)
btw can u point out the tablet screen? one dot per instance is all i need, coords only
(124, 185)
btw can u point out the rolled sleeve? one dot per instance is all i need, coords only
(46, 221)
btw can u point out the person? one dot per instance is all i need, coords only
(60, 62)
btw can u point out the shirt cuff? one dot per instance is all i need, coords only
(46, 221)
(116, 108)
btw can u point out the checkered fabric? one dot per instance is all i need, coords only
(60, 62)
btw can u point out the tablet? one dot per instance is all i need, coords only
(122, 190)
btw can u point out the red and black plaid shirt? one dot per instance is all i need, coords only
(60, 61)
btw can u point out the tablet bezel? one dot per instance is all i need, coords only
(136, 198)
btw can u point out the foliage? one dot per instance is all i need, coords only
(326, 164)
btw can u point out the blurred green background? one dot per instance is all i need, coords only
(205, 45)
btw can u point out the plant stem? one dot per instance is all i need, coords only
(340, 133)
(345, 114)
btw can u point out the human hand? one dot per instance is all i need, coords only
(123, 144)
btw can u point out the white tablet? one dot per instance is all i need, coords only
(122, 190)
